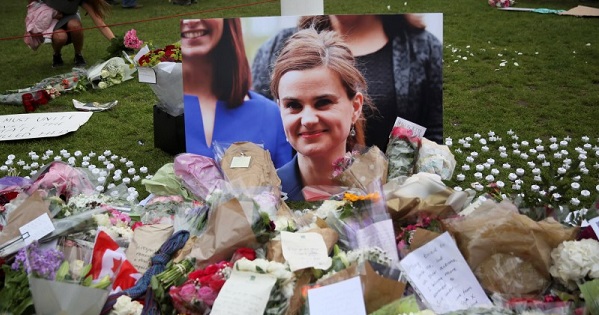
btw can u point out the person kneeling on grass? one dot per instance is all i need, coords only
(68, 29)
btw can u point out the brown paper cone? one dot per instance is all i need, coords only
(367, 168)
(379, 291)
(29, 210)
(227, 230)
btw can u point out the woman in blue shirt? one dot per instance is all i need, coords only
(218, 104)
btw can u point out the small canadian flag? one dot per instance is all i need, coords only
(109, 259)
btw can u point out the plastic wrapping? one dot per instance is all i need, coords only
(113, 71)
(402, 152)
(199, 174)
(365, 167)
(436, 159)
(169, 87)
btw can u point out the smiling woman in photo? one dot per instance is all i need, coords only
(218, 104)
(321, 94)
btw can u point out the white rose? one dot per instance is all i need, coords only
(75, 268)
(102, 85)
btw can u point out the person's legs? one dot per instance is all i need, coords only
(59, 39)
(76, 35)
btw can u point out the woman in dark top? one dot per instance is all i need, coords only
(401, 61)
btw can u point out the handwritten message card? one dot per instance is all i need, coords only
(344, 297)
(244, 293)
(40, 125)
(443, 278)
(305, 250)
(379, 234)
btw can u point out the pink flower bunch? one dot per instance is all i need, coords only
(119, 217)
(501, 3)
(198, 293)
(131, 40)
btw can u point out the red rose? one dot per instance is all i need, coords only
(216, 284)
(243, 252)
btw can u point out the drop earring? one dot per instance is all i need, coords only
(352, 131)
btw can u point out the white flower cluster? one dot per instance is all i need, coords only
(573, 261)
(562, 172)
(125, 306)
(106, 175)
(375, 254)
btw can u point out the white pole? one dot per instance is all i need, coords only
(302, 7)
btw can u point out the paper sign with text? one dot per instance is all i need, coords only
(343, 297)
(440, 274)
(305, 250)
(40, 125)
(244, 293)
(36, 229)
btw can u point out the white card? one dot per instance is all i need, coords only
(244, 293)
(417, 130)
(380, 234)
(36, 229)
(146, 75)
(441, 275)
(241, 161)
(305, 250)
(144, 50)
(342, 298)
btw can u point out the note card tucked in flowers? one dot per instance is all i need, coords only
(379, 234)
(441, 275)
(244, 293)
(305, 250)
(343, 297)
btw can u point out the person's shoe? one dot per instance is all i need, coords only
(79, 61)
(57, 61)
(137, 6)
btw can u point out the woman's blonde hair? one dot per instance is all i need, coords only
(308, 49)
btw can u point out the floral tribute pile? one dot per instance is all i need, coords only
(216, 239)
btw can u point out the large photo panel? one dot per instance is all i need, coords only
(228, 63)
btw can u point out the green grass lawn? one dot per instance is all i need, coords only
(553, 89)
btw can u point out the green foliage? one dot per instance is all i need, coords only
(15, 296)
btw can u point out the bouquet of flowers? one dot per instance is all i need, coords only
(198, 293)
(166, 63)
(58, 285)
(108, 73)
(402, 152)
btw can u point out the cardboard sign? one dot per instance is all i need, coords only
(40, 125)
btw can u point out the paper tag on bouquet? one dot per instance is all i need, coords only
(146, 75)
(36, 229)
(241, 161)
(417, 130)
(305, 250)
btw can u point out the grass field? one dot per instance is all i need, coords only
(548, 84)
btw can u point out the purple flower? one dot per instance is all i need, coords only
(43, 263)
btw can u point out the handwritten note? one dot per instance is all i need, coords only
(379, 234)
(344, 297)
(36, 229)
(441, 275)
(417, 130)
(244, 293)
(305, 250)
(40, 125)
